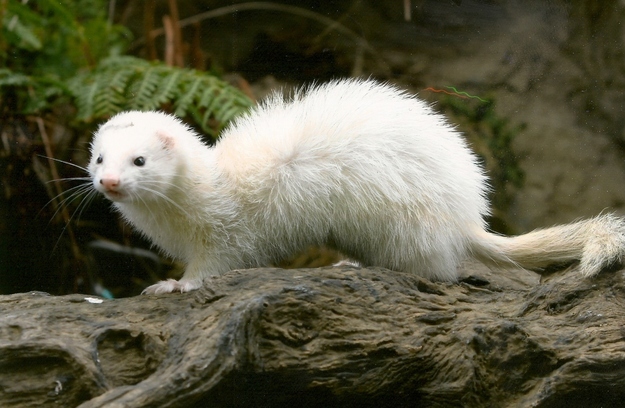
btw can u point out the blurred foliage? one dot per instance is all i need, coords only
(491, 137)
(44, 43)
(67, 52)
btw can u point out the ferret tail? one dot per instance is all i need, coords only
(597, 243)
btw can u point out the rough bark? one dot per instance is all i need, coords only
(324, 337)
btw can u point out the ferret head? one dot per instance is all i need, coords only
(134, 156)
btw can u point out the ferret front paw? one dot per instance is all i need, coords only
(172, 285)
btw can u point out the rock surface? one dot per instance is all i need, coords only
(324, 337)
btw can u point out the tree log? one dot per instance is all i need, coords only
(324, 337)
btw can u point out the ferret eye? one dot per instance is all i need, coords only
(139, 161)
(99, 159)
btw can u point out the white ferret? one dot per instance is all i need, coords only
(361, 166)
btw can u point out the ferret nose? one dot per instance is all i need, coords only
(110, 183)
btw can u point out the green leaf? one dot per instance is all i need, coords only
(26, 35)
(128, 83)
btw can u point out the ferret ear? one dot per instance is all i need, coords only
(166, 139)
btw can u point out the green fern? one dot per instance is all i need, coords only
(35, 92)
(128, 83)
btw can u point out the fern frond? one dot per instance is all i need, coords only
(38, 92)
(168, 87)
(10, 78)
(118, 84)
(190, 88)
(128, 83)
(141, 91)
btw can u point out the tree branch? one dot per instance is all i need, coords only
(333, 336)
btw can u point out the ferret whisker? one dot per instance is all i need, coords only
(164, 197)
(138, 196)
(83, 195)
(64, 201)
(78, 191)
(65, 162)
(90, 193)
(73, 188)
(70, 179)
(158, 183)
(85, 202)
(166, 183)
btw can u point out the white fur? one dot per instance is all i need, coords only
(358, 165)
